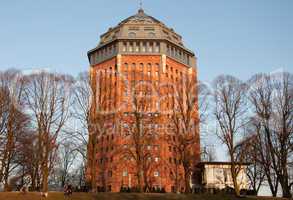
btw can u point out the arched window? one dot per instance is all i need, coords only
(149, 66)
(133, 66)
(150, 47)
(130, 48)
(124, 46)
(141, 66)
(157, 66)
(132, 34)
(143, 47)
(152, 34)
(125, 66)
(136, 46)
(157, 47)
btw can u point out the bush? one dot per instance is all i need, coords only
(248, 192)
(229, 190)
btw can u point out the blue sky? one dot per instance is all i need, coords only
(238, 37)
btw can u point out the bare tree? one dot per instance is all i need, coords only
(283, 106)
(261, 97)
(255, 170)
(208, 154)
(185, 125)
(207, 150)
(81, 104)
(4, 103)
(141, 134)
(82, 97)
(96, 120)
(47, 98)
(271, 98)
(26, 159)
(230, 109)
(67, 156)
(14, 122)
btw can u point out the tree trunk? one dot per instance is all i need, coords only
(187, 180)
(45, 177)
(286, 192)
(93, 177)
(139, 185)
(6, 183)
(146, 184)
(234, 178)
(285, 187)
(33, 186)
(8, 153)
(176, 179)
(93, 141)
(6, 175)
(45, 166)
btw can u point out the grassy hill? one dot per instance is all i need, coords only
(118, 196)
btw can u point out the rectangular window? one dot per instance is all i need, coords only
(130, 48)
(156, 147)
(132, 84)
(143, 48)
(125, 173)
(125, 75)
(141, 66)
(110, 173)
(151, 47)
(156, 174)
(125, 66)
(157, 47)
(137, 47)
(124, 47)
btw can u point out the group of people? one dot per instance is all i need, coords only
(67, 190)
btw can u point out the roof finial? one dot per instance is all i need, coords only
(140, 11)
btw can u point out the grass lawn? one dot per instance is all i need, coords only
(118, 196)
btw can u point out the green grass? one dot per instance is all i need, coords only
(117, 196)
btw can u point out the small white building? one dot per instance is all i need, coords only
(217, 175)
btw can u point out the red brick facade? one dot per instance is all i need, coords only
(114, 79)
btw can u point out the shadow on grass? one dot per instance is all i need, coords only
(119, 196)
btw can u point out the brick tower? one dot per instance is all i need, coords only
(134, 72)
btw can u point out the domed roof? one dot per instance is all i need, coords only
(145, 30)
(140, 26)
(140, 17)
